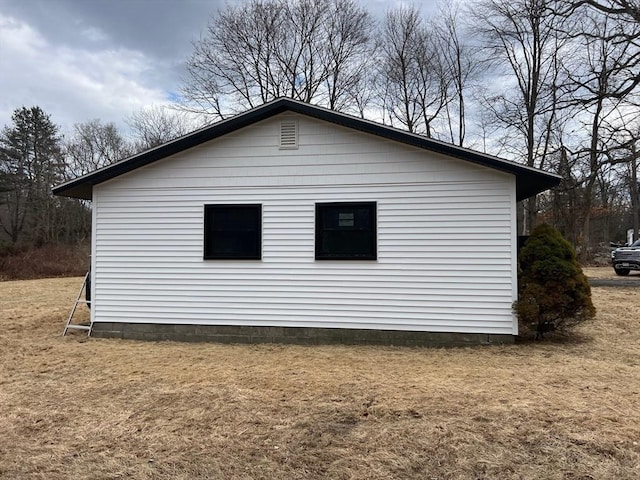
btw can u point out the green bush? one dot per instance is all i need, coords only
(553, 293)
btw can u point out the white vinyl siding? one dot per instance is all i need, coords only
(445, 233)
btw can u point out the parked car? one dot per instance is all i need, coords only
(627, 258)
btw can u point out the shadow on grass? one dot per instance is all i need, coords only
(556, 338)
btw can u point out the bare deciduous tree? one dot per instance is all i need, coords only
(625, 8)
(348, 32)
(155, 125)
(94, 145)
(462, 65)
(414, 81)
(597, 85)
(522, 37)
(310, 50)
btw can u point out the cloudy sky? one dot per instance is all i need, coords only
(85, 59)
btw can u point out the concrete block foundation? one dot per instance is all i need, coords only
(291, 335)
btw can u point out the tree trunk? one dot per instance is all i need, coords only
(530, 214)
(634, 194)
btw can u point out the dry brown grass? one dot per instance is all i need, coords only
(104, 409)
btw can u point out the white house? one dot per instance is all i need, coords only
(293, 223)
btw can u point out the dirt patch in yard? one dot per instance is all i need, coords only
(83, 408)
(606, 277)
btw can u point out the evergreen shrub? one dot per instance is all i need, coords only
(553, 292)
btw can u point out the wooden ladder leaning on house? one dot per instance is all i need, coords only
(87, 301)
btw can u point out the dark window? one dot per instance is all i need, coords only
(346, 231)
(233, 231)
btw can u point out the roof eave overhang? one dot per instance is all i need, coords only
(529, 181)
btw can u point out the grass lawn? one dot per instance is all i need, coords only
(78, 408)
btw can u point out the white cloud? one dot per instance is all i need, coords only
(72, 84)
(94, 34)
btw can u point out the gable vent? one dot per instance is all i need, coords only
(288, 134)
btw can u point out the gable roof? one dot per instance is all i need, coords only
(529, 181)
